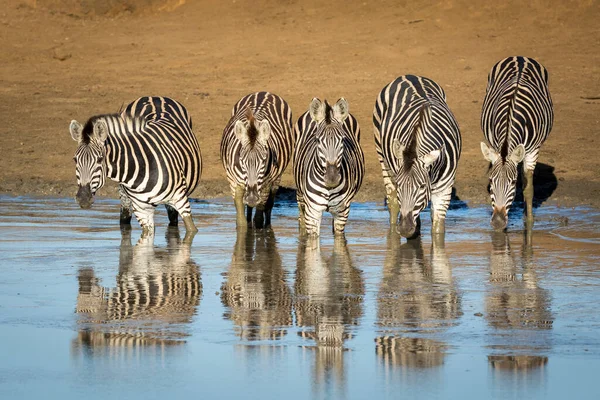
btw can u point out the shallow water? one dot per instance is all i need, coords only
(85, 311)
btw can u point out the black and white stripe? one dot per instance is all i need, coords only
(418, 144)
(516, 119)
(256, 148)
(149, 149)
(329, 164)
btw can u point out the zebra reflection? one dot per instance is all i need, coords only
(155, 297)
(417, 298)
(255, 293)
(515, 305)
(328, 301)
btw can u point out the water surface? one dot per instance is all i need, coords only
(89, 310)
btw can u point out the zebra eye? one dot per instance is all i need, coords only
(100, 159)
(75, 160)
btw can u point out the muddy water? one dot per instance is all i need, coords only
(87, 310)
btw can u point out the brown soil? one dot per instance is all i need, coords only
(70, 59)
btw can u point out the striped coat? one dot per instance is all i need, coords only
(329, 164)
(256, 148)
(149, 149)
(418, 143)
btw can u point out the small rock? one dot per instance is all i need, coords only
(61, 54)
(478, 314)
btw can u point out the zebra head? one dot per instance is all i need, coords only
(503, 181)
(254, 156)
(90, 158)
(330, 138)
(413, 184)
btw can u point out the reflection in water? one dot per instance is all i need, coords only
(517, 308)
(328, 298)
(255, 292)
(417, 297)
(156, 295)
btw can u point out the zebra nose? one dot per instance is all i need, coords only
(332, 175)
(84, 196)
(499, 218)
(252, 197)
(406, 226)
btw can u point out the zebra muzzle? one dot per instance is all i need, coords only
(251, 197)
(332, 176)
(406, 226)
(499, 218)
(84, 196)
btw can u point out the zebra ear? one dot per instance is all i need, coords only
(241, 132)
(341, 110)
(430, 158)
(264, 132)
(100, 130)
(398, 149)
(488, 153)
(518, 154)
(317, 110)
(76, 129)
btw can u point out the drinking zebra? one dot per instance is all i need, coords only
(418, 144)
(329, 164)
(256, 148)
(150, 150)
(516, 119)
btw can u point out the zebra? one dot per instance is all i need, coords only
(256, 148)
(516, 119)
(150, 150)
(329, 164)
(418, 144)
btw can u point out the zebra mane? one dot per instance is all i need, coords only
(88, 128)
(252, 131)
(411, 153)
(328, 113)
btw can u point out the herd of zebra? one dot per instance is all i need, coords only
(150, 150)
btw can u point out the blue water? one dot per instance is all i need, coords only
(85, 310)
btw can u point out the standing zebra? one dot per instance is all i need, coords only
(418, 144)
(516, 119)
(150, 150)
(329, 164)
(256, 148)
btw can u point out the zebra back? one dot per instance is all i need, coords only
(309, 168)
(398, 111)
(262, 106)
(517, 108)
(152, 150)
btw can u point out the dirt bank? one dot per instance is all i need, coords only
(62, 61)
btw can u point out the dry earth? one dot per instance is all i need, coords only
(70, 59)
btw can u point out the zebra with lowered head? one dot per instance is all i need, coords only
(150, 150)
(418, 144)
(329, 164)
(516, 119)
(256, 148)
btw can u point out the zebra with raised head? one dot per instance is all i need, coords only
(516, 119)
(256, 148)
(150, 150)
(329, 164)
(418, 144)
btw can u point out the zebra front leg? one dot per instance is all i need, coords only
(183, 208)
(269, 206)
(125, 214)
(238, 199)
(439, 206)
(145, 216)
(173, 215)
(390, 190)
(340, 217)
(528, 195)
(259, 217)
(312, 219)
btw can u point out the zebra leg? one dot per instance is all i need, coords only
(340, 217)
(269, 207)
(259, 217)
(528, 194)
(238, 199)
(312, 219)
(390, 191)
(440, 202)
(183, 208)
(145, 216)
(125, 215)
(173, 215)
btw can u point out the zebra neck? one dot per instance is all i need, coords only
(117, 126)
